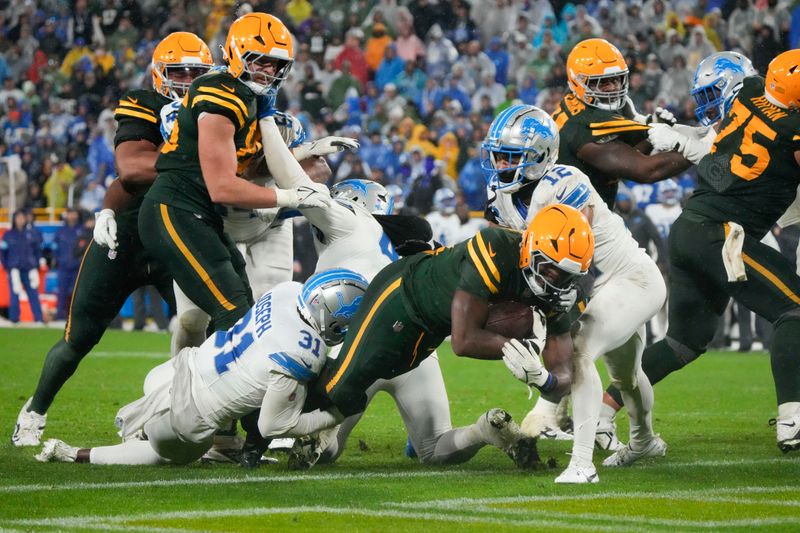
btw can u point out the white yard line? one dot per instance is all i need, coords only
(236, 480)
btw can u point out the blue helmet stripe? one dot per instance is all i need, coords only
(295, 369)
(317, 280)
(501, 120)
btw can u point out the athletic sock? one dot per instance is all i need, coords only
(659, 360)
(61, 362)
(545, 408)
(132, 452)
(785, 359)
(587, 393)
(639, 403)
(607, 412)
(457, 446)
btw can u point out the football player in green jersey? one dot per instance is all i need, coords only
(600, 133)
(214, 139)
(115, 262)
(746, 182)
(413, 304)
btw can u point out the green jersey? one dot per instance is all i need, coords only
(487, 265)
(138, 116)
(751, 175)
(580, 124)
(180, 180)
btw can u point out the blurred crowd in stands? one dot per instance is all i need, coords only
(416, 81)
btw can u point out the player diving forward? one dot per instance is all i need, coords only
(519, 156)
(115, 262)
(414, 303)
(357, 232)
(264, 361)
(746, 183)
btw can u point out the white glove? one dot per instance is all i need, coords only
(665, 138)
(105, 229)
(566, 300)
(33, 278)
(662, 116)
(16, 282)
(522, 356)
(312, 195)
(324, 146)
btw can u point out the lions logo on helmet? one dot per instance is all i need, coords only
(370, 195)
(330, 299)
(520, 147)
(717, 80)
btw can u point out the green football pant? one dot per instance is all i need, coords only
(201, 258)
(382, 342)
(104, 282)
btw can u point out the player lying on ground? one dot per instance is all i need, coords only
(746, 183)
(358, 232)
(414, 303)
(115, 262)
(264, 361)
(519, 155)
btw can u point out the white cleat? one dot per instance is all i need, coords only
(497, 428)
(788, 430)
(283, 445)
(626, 455)
(579, 474)
(56, 451)
(29, 428)
(605, 438)
(541, 426)
(225, 449)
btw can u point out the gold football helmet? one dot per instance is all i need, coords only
(177, 60)
(259, 51)
(593, 65)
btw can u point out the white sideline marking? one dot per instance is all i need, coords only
(93, 521)
(237, 480)
(146, 355)
(730, 462)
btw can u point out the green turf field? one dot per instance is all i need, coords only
(722, 470)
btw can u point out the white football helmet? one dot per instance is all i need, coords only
(329, 300)
(370, 195)
(669, 192)
(716, 81)
(444, 200)
(521, 146)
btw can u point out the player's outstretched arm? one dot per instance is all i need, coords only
(621, 160)
(468, 336)
(281, 162)
(281, 411)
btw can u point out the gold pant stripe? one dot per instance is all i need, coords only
(74, 290)
(761, 269)
(198, 268)
(385, 294)
(416, 349)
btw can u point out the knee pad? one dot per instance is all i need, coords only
(194, 320)
(684, 353)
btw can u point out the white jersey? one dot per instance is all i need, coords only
(614, 247)
(346, 235)
(472, 226)
(446, 228)
(663, 216)
(232, 369)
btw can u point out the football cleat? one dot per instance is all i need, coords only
(225, 449)
(605, 438)
(307, 450)
(542, 426)
(788, 430)
(497, 428)
(626, 455)
(56, 451)
(29, 428)
(281, 445)
(579, 474)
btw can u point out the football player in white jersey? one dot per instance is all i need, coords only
(519, 153)
(666, 211)
(443, 220)
(265, 361)
(349, 235)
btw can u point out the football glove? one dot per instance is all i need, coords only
(661, 115)
(665, 138)
(564, 302)
(522, 356)
(105, 229)
(312, 195)
(324, 146)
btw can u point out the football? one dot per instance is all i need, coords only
(510, 319)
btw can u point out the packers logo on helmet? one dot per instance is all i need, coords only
(598, 74)
(177, 60)
(782, 86)
(557, 248)
(260, 52)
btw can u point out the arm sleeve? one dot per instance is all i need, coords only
(281, 411)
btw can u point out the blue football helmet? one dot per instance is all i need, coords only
(370, 195)
(716, 81)
(329, 300)
(521, 146)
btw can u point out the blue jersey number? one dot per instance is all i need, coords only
(236, 342)
(306, 342)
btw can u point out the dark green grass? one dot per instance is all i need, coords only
(722, 469)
